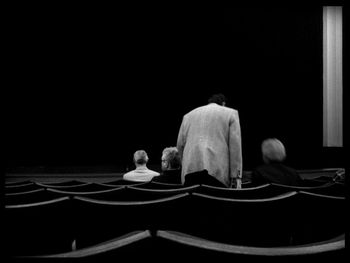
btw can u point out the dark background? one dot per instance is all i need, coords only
(90, 88)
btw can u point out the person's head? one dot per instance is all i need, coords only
(140, 158)
(273, 150)
(218, 98)
(171, 159)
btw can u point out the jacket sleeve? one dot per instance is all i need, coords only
(235, 147)
(181, 138)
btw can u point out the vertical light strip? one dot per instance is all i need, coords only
(332, 77)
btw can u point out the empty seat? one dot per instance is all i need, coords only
(98, 221)
(300, 188)
(102, 191)
(157, 185)
(38, 228)
(131, 246)
(34, 196)
(140, 193)
(22, 188)
(123, 182)
(63, 186)
(127, 193)
(18, 183)
(63, 183)
(317, 217)
(258, 192)
(178, 246)
(87, 187)
(332, 189)
(255, 222)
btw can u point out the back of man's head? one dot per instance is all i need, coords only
(218, 98)
(273, 150)
(140, 157)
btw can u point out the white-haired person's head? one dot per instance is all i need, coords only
(273, 150)
(171, 159)
(140, 157)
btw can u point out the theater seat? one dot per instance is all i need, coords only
(38, 228)
(131, 246)
(98, 220)
(195, 249)
(257, 192)
(251, 222)
(34, 196)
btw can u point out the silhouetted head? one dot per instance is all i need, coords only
(218, 98)
(171, 159)
(140, 157)
(273, 150)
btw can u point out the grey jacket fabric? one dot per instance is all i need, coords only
(210, 139)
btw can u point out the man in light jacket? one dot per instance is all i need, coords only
(141, 173)
(209, 141)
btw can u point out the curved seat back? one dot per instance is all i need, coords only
(256, 222)
(22, 188)
(123, 182)
(332, 189)
(198, 249)
(65, 183)
(157, 185)
(257, 192)
(99, 221)
(86, 187)
(39, 228)
(19, 183)
(317, 217)
(34, 196)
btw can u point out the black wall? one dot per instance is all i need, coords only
(90, 88)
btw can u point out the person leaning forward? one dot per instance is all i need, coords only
(209, 143)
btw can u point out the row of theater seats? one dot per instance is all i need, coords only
(76, 219)
(125, 191)
(172, 246)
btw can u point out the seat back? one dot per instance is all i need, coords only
(255, 222)
(18, 183)
(258, 192)
(157, 185)
(196, 249)
(66, 183)
(86, 187)
(317, 218)
(98, 221)
(38, 228)
(331, 189)
(94, 191)
(21, 188)
(34, 196)
(123, 182)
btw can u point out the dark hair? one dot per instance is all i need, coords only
(218, 98)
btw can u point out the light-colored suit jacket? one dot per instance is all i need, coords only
(210, 138)
(140, 174)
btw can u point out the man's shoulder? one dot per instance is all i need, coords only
(212, 107)
(154, 173)
(129, 174)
